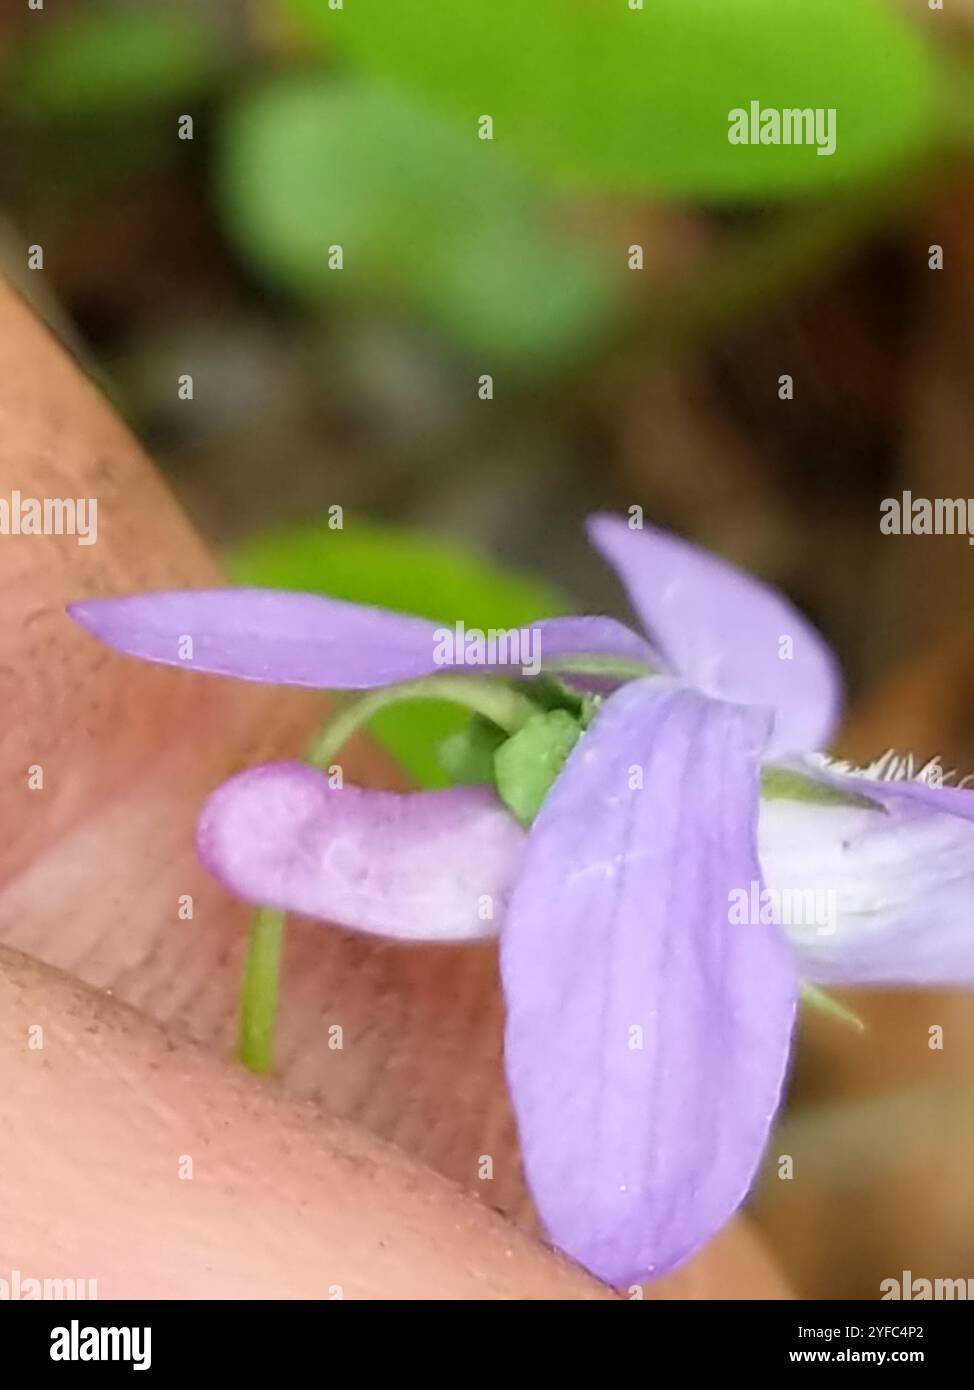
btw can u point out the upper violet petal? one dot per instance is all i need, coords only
(647, 1037)
(417, 866)
(593, 636)
(266, 635)
(722, 631)
(877, 897)
(288, 638)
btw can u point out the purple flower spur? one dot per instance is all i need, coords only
(647, 824)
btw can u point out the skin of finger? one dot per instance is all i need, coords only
(128, 752)
(94, 867)
(179, 1176)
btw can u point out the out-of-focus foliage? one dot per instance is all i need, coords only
(391, 568)
(638, 100)
(425, 217)
(109, 59)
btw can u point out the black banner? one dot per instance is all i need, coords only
(168, 1339)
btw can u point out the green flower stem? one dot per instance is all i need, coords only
(494, 699)
(258, 1001)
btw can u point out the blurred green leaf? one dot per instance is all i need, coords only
(112, 58)
(426, 218)
(391, 568)
(632, 100)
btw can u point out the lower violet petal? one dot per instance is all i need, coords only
(647, 1038)
(422, 866)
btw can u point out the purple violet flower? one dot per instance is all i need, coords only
(650, 946)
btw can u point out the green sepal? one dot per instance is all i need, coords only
(785, 784)
(467, 756)
(526, 765)
(816, 998)
(551, 693)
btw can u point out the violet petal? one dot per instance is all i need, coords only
(879, 898)
(721, 631)
(647, 1038)
(265, 635)
(593, 636)
(289, 638)
(422, 866)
